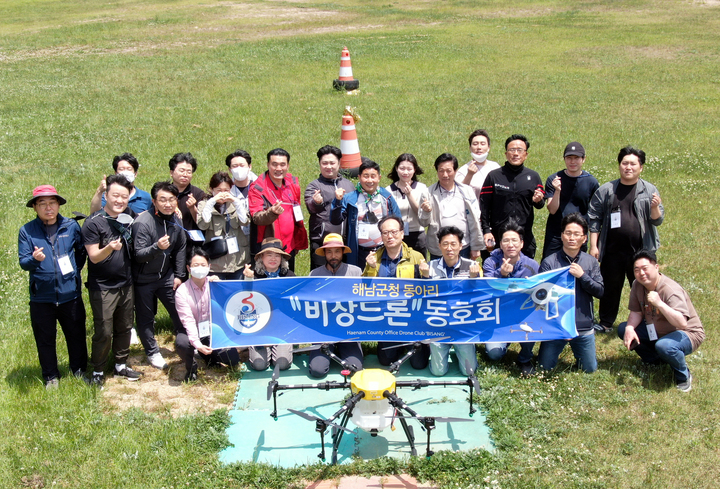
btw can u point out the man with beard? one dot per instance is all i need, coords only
(333, 249)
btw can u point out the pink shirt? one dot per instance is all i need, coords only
(193, 306)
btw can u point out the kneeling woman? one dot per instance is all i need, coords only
(271, 261)
(192, 300)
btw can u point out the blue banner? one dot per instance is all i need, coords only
(323, 310)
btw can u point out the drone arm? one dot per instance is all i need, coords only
(398, 403)
(348, 406)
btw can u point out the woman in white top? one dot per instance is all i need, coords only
(408, 194)
(474, 172)
(222, 217)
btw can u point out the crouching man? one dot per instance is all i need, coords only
(663, 326)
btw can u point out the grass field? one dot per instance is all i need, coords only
(82, 81)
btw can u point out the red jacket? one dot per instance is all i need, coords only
(262, 195)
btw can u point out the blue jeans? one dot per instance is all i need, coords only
(439, 353)
(583, 347)
(671, 349)
(495, 351)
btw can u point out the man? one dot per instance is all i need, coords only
(109, 247)
(332, 250)
(319, 195)
(396, 259)
(182, 166)
(511, 192)
(663, 326)
(127, 165)
(239, 163)
(451, 204)
(50, 247)
(274, 200)
(362, 209)
(451, 265)
(159, 266)
(588, 284)
(474, 172)
(623, 216)
(566, 192)
(510, 262)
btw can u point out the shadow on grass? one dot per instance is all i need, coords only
(25, 378)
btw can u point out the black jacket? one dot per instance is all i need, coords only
(151, 263)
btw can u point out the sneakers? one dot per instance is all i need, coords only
(526, 369)
(601, 328)
(191, 376)
(52, 384)
(128, 373)
(97, 380)
(685, 386)
(79, 374)
(157, 361)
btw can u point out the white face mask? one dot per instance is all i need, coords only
(129, 176)
(479, 158)
(199, 272)
(240, 173)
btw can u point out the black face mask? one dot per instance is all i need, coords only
(165, 217)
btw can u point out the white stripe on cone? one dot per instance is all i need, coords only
(349, 147)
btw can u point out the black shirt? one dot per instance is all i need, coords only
(187, 221)
(627, 238)
(114, 271)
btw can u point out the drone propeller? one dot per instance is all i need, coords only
(323, 422)
(439, 419)
(422, 342)
(318, 346)
(471, 376)
(273, 382)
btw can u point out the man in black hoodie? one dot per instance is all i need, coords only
(159, 265)
(319, 194)
(511, 192)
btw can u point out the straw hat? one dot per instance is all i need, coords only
(272, 244)
(332, 240)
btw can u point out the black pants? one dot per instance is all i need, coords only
(113, 319)
(614, 268)
(146, 297)
(319, 363)
(386, 355)
(71, 316)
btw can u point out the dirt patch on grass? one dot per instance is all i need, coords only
(164, 392)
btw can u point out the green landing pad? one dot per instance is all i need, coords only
(291, 440)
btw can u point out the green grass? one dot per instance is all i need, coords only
(82, 81)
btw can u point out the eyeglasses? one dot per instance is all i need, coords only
(573, 235)
(171, 200)
(44, 205)
(182, 171)
(515, 150)
(394, 232)
(514, 241)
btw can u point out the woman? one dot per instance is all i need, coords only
(271, 261)
(192, 301)
(474, 172)
(408, 194)
(222, 217)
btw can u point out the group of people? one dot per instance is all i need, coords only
(474, 221)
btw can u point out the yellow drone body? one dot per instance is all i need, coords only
(373, 382)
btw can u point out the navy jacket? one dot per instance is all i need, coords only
(47, 283)
(586, 287)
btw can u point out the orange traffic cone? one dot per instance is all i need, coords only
(350, 161)
(345, 79)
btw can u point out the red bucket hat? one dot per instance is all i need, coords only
(45, 191)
